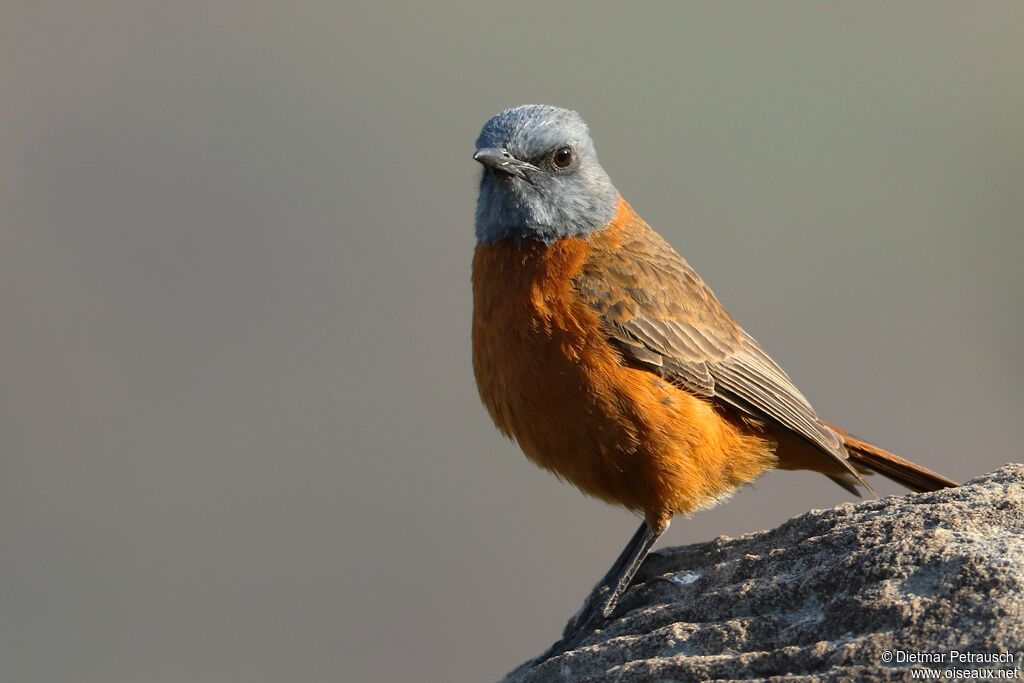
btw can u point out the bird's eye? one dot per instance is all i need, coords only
(562, 157)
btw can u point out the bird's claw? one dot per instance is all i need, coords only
(592, 615)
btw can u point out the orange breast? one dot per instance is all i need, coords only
(551, 380)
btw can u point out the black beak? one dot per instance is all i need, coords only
(502, 161)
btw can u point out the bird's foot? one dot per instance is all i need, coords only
(592, 615)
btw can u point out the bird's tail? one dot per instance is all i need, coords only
(871, 457)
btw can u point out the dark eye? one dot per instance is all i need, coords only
(562, 157)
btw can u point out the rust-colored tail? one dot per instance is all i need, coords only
(911, 475)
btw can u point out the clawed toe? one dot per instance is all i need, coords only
(590, 617)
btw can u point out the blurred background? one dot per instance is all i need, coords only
(239, 435)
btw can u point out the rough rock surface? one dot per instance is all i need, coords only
(825, 596)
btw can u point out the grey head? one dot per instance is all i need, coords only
(541, 178)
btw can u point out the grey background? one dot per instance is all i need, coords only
(239, 437)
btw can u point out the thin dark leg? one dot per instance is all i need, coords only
(629, 570)
(609, 590)
(602, 587)
(602, 600)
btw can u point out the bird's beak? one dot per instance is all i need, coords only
(502, 161)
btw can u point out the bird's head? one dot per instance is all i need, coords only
(541, 178)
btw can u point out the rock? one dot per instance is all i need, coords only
(826, 596)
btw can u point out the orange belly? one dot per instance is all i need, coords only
(552, 381)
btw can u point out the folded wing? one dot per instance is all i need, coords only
(663, 318)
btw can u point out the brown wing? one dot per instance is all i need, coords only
(663, 317)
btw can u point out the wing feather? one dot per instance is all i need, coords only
(661, 316)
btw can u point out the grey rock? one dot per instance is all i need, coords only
(825, 596)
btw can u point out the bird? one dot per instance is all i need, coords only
(606, 357)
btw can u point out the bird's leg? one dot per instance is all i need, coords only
(601, 602)
(609, 590)
(603, 586)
